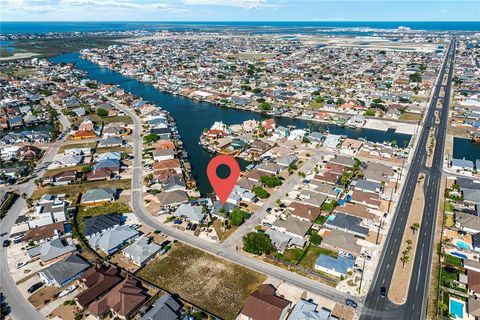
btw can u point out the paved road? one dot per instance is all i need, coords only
(376, 307)
(20, 307)
(234, 239)
(213, 248)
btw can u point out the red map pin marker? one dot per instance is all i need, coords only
(223, 187)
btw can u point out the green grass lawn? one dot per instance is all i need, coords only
(410, 116)
(447, 277)
(216, 285)
(453, 261)
(321, 220)
(87, 212)
(73, 189)
(291, 255)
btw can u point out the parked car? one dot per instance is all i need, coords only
(350, 302)
(35, 287)
(178, 221)
(20, 264)
(6, 243)
(194, 227)
(269, 209)
(189, 226)
(165, 243)
(18, 238)
(383, 292)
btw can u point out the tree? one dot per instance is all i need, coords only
(260, 192)
(258, 243)
(271, 182)
(29, 202)
(315, 238)
(102, 112)
(151, 137)
(278, 202)
(415, 77)
(404, 259)
(265, 106)
(237, 217)
(86, 169)
(414, 227)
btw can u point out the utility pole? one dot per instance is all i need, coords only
(361, 278)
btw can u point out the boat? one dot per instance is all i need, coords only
(67, 291)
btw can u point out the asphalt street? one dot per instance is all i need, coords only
(212, 248)
(377, 307)
(21, 309)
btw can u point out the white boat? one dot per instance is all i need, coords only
(67, 291)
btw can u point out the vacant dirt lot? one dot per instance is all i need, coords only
(219, 286)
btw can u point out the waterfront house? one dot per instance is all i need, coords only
(194, 214)
(64, 271)
(281, 132)
(462, 165)
(316, 137)
(164, 154)
(15, 122)
(264, 304)
(337, 267)
(141, 251)
(111, 240)
(174, 183)
(99, 196)
(123, 300)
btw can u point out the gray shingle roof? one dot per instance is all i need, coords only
(51, 250)
(65, 269)
(100, 223)
(142, 250)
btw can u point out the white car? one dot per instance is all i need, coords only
(21, 264)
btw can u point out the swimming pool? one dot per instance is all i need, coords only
(456, 308)
(457, 254)
(462, 244)
(331, 217)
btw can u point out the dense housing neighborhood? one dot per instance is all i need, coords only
(350, 175)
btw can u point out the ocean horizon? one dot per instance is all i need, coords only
(19, 27)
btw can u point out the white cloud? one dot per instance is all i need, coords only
(249, 4)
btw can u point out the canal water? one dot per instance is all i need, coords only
(465, 148)
(193, 116)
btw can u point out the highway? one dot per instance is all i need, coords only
(20, 308)
(212, 248)
(375, 306)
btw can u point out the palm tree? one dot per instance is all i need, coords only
(409, 242)
(404, 259)
(415, 227)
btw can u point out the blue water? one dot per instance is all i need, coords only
(457, 254)
(456, 309)
(192, 116)
(465, 148)
(462, 245)
(78, 26)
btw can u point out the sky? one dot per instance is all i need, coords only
(239, 10)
